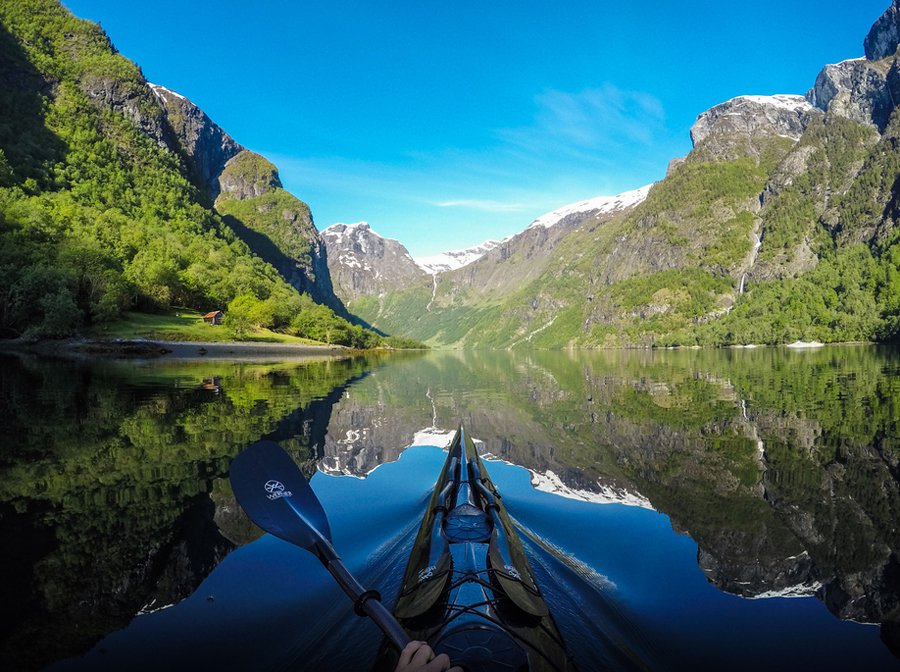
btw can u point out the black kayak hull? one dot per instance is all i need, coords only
(468, 588)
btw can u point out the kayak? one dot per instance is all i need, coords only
(468, 588)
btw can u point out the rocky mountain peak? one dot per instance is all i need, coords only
(864, 90)
(363, 263)
(753, 116)
(883, 38)
(859, 89)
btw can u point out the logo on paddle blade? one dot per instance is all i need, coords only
(276, 490)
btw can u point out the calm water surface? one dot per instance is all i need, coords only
(702, 510)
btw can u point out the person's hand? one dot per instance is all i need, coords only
(418, 657)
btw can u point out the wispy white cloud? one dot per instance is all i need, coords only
(576, 146)
(484, 205)
(589, 123)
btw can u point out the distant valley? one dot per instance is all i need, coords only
(779, 226)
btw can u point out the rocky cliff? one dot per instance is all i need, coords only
(865, 90)
(363, 264)
(248, 191)
(276, 225)
(730, 129)
(207, 146)
(882, 40)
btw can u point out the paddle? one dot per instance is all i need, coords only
(278, 498)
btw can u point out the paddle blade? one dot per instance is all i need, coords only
(277, 497)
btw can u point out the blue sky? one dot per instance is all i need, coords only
(444, 124)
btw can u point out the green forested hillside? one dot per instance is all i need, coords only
(97, 214)
(758, 239)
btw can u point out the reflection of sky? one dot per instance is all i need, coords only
(634, 584)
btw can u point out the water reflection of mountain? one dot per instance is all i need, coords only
(113, 500)
(783, 466)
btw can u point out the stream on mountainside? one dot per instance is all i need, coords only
(698, 509)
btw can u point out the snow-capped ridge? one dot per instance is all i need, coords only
(340, 229)
(784, 101)
(601, 204)
(453, 259)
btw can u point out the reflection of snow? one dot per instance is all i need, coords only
(149, 608)
(800, 590)
(432, 436)
(550, 482)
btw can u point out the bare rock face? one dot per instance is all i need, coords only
(856, 89)
(362, 263)
(747, 118)
(132, 101)
(865, 89)
(883, 38)
(207, 146)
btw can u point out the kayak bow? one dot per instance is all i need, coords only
(468, 589)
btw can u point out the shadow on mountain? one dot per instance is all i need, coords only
(29, 147)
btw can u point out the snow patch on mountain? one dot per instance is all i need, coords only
(600, 204)
(355, 231)
(354, 242)
(789, 102)
(450, 261)
(161, 90)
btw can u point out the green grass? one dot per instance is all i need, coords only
(184, 325)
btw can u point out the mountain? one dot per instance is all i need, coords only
(247, 190)
(453, 259)
(779, 225)
(363, 265)
(117, 194)
(461, 302)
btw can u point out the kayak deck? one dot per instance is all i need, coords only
(468, 589)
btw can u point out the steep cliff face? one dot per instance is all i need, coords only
(138, 166)
(363, 264)
(206, 145)
(865, 90)
(882, 40)
(858, 90)
(248, 191)
(730, 129)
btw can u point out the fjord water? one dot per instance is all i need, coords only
(700, 510)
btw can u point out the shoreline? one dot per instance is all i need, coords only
(156, 349)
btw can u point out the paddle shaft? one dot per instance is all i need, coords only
(371, 606)
(276, 496)
(365, 601)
